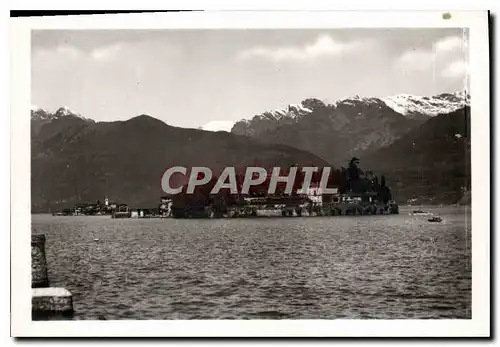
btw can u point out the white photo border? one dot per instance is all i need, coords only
(20, 55)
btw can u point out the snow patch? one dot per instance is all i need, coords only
(299, 108)
(219, 125)
(64, 111)
(408, 104)
(292, 111)
(355, 100)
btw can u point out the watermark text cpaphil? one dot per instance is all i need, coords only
(199, 176)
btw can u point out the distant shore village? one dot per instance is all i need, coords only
(351, 191)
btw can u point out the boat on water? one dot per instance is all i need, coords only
(420, 212)
(435, 219)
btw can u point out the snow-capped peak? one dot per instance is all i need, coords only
(298, 108)
(292, 111)
(342, 112)
(66, 111)
(408, 104)
(38, 113)
(353, 100)
(36, 109)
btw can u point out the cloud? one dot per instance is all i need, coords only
(449, 48)
(218, 125)
(59, 58)
(323, 46)
(62, 52)
(450, 43)
(417, 60)
(106, 53)
(456, 69)
(69, 51)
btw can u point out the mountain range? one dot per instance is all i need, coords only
(421, 144)
(75, 160)
(431, 163)
(348, 127)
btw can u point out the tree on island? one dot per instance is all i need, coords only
(353, 169)
(354, 175)
(385, 192)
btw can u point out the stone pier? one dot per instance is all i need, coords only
(46, 302)
(39, 276)
(50, 303)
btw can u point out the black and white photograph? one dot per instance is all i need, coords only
(255, 173)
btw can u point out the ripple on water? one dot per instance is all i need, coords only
(299, 268)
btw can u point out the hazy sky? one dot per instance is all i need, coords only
(211, 78)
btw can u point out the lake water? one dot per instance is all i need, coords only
(397, 266)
